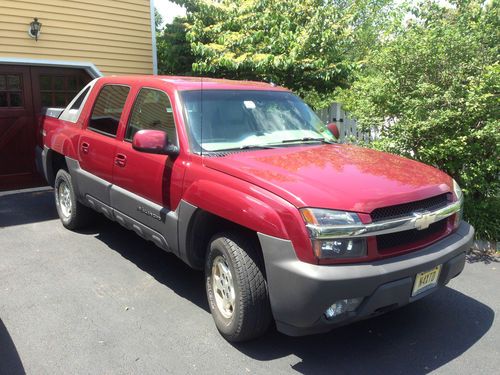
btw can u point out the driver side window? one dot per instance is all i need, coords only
(152, 110)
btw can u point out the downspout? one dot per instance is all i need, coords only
(153, 37)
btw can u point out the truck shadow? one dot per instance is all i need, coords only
(416, 339)
(164, 267)
(10, 363)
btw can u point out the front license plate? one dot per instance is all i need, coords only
(426, 280)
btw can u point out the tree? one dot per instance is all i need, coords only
(173, 49)
(309, 46)
(432, 92)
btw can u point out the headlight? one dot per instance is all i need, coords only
(317, 219)
(459, 196)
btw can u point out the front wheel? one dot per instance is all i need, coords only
(236, 287)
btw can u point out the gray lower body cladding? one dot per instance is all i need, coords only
(148, 219)
(301, 292)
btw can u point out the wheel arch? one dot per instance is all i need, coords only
(202, 226)
(54, 161)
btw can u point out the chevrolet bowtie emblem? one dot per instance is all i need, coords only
(423, 219)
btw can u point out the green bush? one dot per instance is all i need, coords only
(432, 92)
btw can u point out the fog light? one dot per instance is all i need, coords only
(342, 306)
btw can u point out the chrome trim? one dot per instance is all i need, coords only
(419, 220)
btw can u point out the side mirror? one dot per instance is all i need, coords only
(334, 129)
(154, 142)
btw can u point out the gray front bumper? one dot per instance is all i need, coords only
(301, 292)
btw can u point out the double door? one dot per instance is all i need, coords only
(24, 91)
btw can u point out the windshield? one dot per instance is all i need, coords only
(235, 119)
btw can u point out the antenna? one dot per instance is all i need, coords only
(201, 120)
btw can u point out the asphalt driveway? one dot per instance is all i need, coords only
(104, 301)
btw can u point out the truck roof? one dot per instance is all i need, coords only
(182, 83)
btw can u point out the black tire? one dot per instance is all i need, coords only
(251, 313)
(79, 215)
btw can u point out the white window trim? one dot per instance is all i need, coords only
(90, 68)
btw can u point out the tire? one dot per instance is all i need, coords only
(72, 213)
(238, 300)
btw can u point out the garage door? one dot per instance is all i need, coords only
(24, 91)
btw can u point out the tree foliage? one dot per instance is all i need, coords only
(432, 91)
(309, 46)
(173, 49)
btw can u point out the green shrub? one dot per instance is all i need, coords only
(432, 91)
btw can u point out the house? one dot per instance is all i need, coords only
(48, 51)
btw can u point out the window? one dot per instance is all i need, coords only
(108, 109)
(59, 90)
(78, 102)
(152, 110)
(233, 119)
(11, 94)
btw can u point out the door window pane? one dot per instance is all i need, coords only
(45, 83)
(108, 109)
(59, 99)
(14, 82)
(16, 99)
(73, 83)
(11, 94)
(3, 99)
(59, 83)
(46, 98)
(152, 110)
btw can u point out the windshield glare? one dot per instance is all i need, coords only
(232, 119)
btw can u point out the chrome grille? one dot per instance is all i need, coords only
(407, 209)
(407, 238)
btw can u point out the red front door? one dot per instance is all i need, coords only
(17, 129)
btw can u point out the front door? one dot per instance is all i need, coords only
(142, 182)
(17, 129)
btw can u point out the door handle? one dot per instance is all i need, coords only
(120, 160)
(85, 147)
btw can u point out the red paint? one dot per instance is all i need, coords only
(261, 190)
(154, 141)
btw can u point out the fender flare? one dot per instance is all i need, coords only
(254, 209)
(237, 206)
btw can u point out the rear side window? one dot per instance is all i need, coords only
(79, 100)
(108, 109)
(152, 110)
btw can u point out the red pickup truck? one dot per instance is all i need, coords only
(242, 180)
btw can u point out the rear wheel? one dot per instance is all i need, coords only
(72, 213)
(236, 287)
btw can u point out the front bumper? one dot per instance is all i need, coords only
(301, 292)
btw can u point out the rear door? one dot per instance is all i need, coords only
(97, 144)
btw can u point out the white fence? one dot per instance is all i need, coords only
(347, 126)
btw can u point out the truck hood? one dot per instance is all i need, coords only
(342, 177)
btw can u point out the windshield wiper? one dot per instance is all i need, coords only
(307, 139)
(246, 147)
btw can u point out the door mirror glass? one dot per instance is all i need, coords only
(334, 129)
(154, 142)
